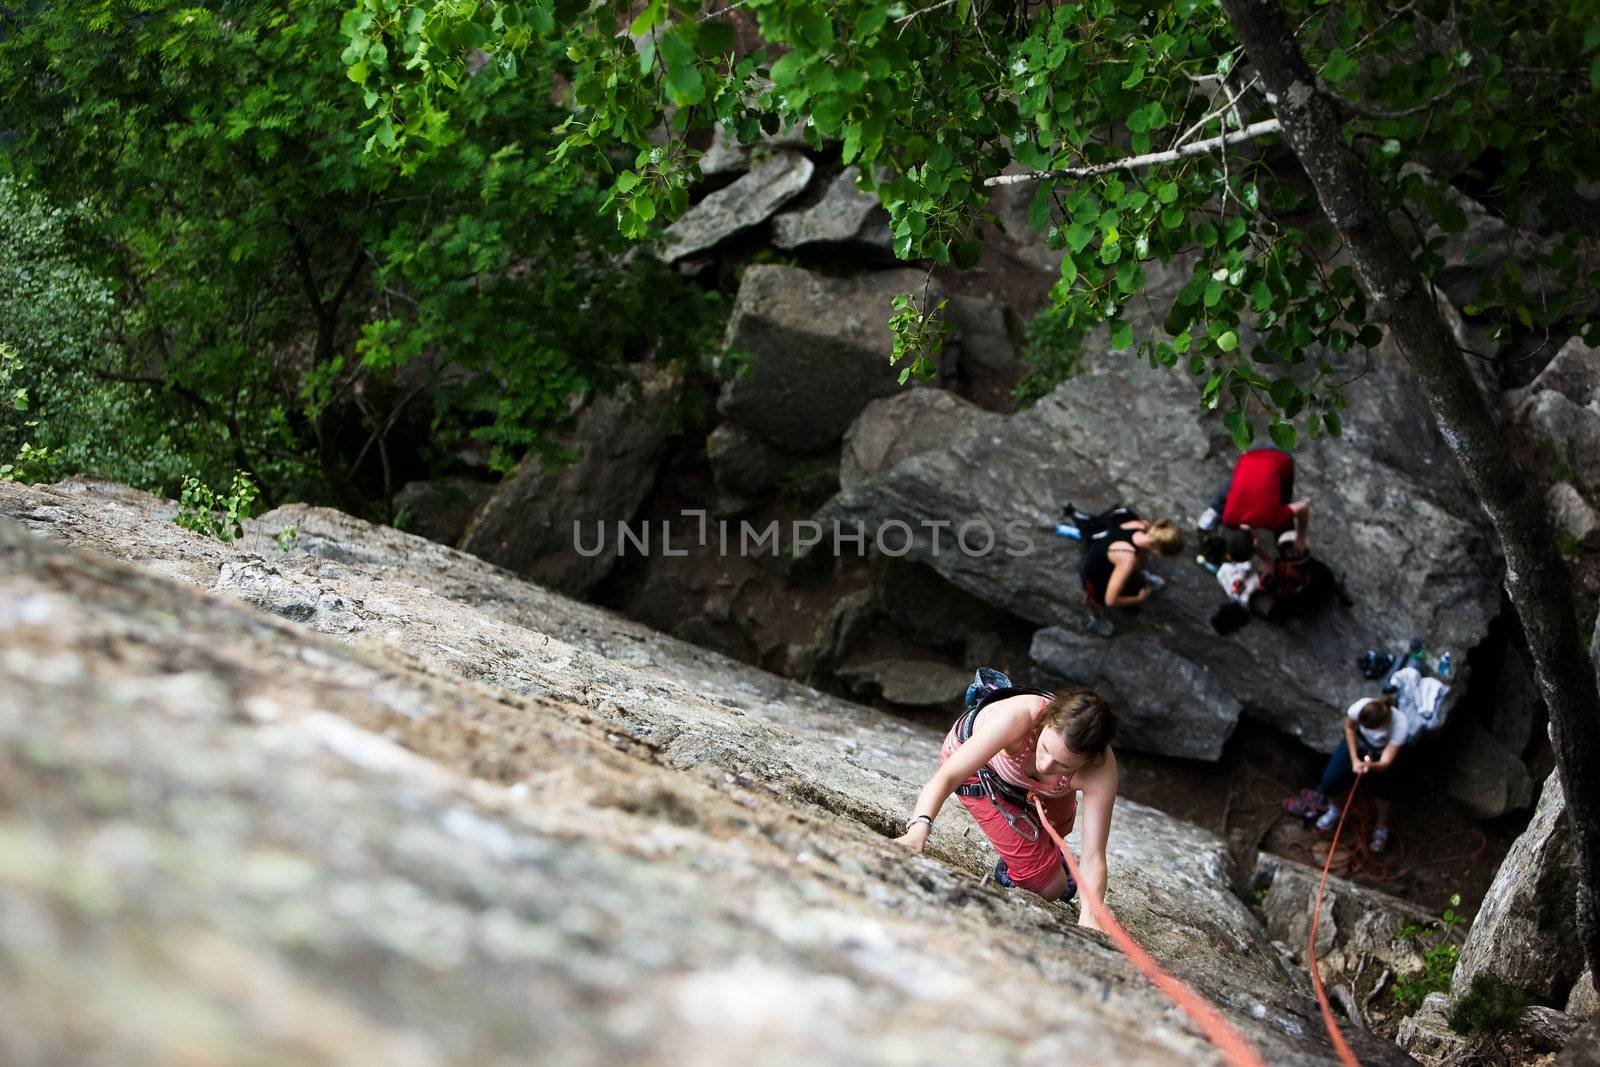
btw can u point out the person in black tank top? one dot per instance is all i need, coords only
(1113, 572)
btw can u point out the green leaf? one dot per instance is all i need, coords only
(1228, 341)
(1239, 427)
(1282, 434)
(1340, 67)
(1121, 335)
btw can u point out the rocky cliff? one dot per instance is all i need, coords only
(372, 800)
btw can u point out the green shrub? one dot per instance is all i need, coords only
(203, 510)
(1491, 1005)
(1438, 964)
(1052, 344)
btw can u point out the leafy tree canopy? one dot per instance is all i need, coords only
(1138, 127)
(240, 285)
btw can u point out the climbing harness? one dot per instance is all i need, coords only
(1205, 1015)
(1340, 1046)
(989, 784)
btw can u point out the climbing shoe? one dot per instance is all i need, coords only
(1328, 819)
(1308, 805)
(1379, 841)
(1003, 876)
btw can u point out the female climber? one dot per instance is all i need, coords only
(1113, 571)
(1016, 741)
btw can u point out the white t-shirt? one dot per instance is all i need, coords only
(1393, 732)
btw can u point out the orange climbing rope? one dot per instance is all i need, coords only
(1229, 1041)
(1346, 1057)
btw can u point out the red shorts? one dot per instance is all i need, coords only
(1031, 864)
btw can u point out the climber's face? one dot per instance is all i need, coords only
(1054, 757)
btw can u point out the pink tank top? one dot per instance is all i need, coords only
(1009, 767)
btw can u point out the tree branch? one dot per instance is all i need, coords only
(1264, 128)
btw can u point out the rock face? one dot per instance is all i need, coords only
(1572, 516)
(530, 523)
(1390, 514)
(1486, 776)
(1561, 409)
(747, 203)
(818, 351)
(492, 825)
(441, 510)
(1526, 930)
(898, 427)
(845, 216)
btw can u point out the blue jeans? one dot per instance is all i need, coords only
(1337, 775)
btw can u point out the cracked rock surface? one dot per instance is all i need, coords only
(375, 801)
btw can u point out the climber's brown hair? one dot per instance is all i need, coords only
(1374, 713)
(1084, 719)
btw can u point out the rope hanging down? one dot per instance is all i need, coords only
(1340, 1046)
(1205, 1015)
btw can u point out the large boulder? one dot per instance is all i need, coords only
(1486, 776)
(501, 826)
(745, 204)
(441, 509)
(1526, 928)
(539, 517)
(1389, 513)
(1560, 410)
(895, 428)
(845, 218)
(815, 351)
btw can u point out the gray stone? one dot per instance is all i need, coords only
(745, 464)
(1582, 1001)
(1357, 924)
(914, 683)
(1165, 703)
(1574, 372)
(898, 427)
(818, 351)
(1516, 703)
(1571, 434)
(1485, 775)
(929, 610)
(500, 826)
(441, 509)
(985, 331)
(1390, 514)
(1526, 928)
(851, 616)
(1583, 1050)
(844, 216)
(1427, 1037)
(1573, 517)
(530, 523)
(727, 156)
(745, 204)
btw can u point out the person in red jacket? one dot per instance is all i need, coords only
(1260, 497)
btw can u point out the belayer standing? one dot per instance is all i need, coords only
(1011, 742)
(1374, 730)
(1259, 496)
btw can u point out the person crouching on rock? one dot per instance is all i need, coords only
(1259, 496)
(1113, 571)
(1374, 730)
(1017, 741)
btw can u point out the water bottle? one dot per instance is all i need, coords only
(1069, 531)
(1417, 655)
(1206, 563)
(1444, 665)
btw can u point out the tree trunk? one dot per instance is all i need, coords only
(1402, 301)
